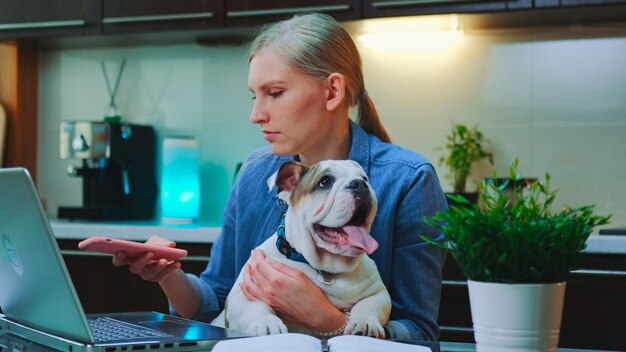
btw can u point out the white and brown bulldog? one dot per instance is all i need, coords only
(325, 236)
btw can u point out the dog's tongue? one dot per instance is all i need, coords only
(360, 238)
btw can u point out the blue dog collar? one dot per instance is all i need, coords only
(285, 247)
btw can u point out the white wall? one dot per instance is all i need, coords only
(180, 90)
(554, 98)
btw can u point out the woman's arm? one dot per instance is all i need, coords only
(182, 293)
(192, 297)
(214, 283)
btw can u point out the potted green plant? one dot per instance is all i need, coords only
(517, 254)
(465, 147)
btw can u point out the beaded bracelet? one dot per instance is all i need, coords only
(339, 331)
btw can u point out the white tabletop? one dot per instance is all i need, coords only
(606, 244)
(134, 231)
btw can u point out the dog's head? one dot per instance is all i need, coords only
(331, 210)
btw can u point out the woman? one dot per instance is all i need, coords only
(305, 74)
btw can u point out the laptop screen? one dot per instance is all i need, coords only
(35, 289)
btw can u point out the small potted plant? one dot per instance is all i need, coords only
(465, 147)
(517, 254)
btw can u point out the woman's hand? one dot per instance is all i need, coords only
(145, 265)
(292, 295)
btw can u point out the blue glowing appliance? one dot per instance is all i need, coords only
(180, 180)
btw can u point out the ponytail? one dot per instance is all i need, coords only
(368, 118)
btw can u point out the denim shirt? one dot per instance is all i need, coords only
(407, 189)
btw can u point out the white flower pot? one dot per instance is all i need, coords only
(516, 317)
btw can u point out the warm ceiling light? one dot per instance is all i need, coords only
(432, 33)
(421, 41)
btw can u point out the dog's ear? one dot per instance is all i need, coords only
(286, 178)
(289, 175)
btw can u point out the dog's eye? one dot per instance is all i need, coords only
(325, 182)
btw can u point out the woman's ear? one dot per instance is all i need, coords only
(336, 91)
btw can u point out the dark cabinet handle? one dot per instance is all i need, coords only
(454, 282)
(456, 328)
(287, 10)
(399, 3)
(155, 18)
(42, 24)
(74, 252)
(588, 272)
(595, 272)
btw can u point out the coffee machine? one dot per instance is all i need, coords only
(118, 169)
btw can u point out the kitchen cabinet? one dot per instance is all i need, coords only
(250, 12)
(125, 16)
(576, 3)
(46, 18)
(387, 8)
(594, 314)
(591, 2)
(43, 19)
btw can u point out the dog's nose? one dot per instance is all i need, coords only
(358, 185)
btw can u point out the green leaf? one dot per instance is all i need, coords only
(465, 147)
(513, 236)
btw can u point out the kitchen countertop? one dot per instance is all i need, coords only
(134, 231)
(606, 244)
(141, 231)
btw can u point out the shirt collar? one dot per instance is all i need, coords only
(284, 246)
(360, 149)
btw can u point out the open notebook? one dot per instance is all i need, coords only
(305, 343)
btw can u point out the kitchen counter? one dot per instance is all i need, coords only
(141, 231)
(606, 244)
(134, 231)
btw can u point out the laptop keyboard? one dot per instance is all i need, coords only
(107, 329)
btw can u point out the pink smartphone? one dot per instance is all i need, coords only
(132, 249)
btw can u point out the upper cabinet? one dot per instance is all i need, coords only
(252, 12)
(22, 19)
(45, 18)
(125, 16)
(385, 8)
(574, 3)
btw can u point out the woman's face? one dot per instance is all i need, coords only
(290, 107)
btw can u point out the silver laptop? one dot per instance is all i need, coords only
(38, 298)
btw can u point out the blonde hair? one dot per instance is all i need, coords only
(317, 45)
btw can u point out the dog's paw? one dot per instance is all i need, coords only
(266, 325)
(368, 326)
